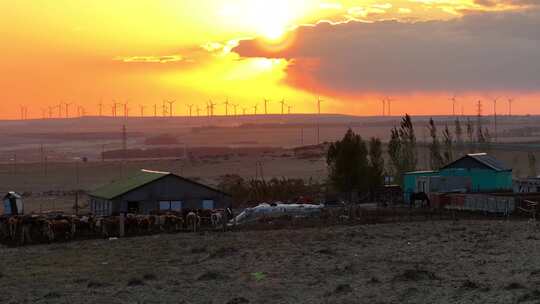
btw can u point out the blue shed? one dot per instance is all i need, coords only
(471, 173)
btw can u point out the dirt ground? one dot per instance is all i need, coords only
(429, 262)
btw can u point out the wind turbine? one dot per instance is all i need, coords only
(282, 102)
(289, 107)
(198, 111)
(171, 102)
(100, 107)
(67, 105)
(60, 110)
(226, 103)
(389, 105)
(244, 111)
(454, 100)
(383, 101)
(211, 107)
(190, 108)
(142, 107)
(235, 106)
(126, 109)
(510, 102)
(266, 101)
(255, 107)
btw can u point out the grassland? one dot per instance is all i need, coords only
(430, 262)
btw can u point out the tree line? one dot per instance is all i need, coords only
(356, 165)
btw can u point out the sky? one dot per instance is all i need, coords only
(351, 54)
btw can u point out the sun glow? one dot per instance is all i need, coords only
(269, 19)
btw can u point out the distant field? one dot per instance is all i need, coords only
(45, 156)
(62, 177)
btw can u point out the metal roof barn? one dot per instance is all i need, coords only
(152, 191)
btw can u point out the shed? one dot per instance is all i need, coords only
(472, 173)
(153, 191)
(13, 203)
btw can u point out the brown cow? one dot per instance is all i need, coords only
(62, 229)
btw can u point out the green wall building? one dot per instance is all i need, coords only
(473, 173)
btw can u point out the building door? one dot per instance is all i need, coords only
(134, 207)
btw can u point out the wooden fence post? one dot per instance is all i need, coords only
(121, 223)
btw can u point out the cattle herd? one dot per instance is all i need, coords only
(56, 227)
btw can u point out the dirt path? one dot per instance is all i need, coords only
(433, 262)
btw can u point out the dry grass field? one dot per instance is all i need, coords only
(429, 262)
(60, 177)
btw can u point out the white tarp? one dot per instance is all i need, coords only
(277, 210)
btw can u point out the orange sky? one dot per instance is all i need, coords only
(84, 52)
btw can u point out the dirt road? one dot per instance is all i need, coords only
(432, 262)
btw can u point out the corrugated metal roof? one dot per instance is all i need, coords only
(490, 161)
(120, 187)
(485, 160)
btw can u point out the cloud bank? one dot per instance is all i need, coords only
(479, 52)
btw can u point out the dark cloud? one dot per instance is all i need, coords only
(478, 52)
(493, 3)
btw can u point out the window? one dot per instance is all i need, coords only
(176, 206)
(208, 204)
(164, 205)
(100, 208)
(170, 205)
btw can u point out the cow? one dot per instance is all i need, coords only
(193, 221)
(420, 196)
(216, 219)
(108, 226)
(62, 229)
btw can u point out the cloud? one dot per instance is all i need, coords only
(475, 53)
(151, 59)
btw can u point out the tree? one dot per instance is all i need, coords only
(394, 151)
(459, 136)
(408, 139)
(348, 164)
(376, 164)
(448, 145)
(435, 147)
(470, 134)
(402, 149)
(532, 165)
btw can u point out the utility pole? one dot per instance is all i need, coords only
(124, 142)
(319, 101)
(495, 117)
(479, 113)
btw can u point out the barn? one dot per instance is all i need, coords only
(473, 173)
(152, 191)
